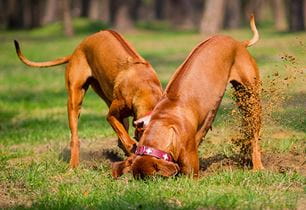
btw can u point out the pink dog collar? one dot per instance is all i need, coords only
(145, 150)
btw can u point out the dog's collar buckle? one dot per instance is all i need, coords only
(145, 150)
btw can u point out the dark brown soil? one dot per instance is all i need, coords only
(282, 163)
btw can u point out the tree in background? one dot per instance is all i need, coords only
(13, 12)
(232, 14)
(254, 7)
(122, 15)
(213, 16)
(67, 19)
(51, 12)
(279, 12)
(180, 13)
(208, 16)
(296, 15)
(159, 9)
(20, 14)
(99, 10)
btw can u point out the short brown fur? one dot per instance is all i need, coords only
(186, 111)
(118, 74)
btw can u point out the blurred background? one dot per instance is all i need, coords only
(205, 16)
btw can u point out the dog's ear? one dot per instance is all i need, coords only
(142, 122)
(122, 167)
(166, 168)
(140, 126)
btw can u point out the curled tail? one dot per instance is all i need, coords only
(55, 62)
(255, 37)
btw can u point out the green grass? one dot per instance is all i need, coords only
(34, 131)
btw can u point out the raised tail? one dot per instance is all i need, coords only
(255, 37)
(55, 62)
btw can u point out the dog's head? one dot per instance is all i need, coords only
(144, 166)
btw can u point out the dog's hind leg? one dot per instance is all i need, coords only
(246, 82)
(77, 74)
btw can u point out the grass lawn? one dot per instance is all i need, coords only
(34, 132)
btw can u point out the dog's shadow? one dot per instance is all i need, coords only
(95, 156)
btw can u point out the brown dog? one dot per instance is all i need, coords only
(186, 111)
(117, 73)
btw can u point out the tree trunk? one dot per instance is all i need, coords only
(36, 7)
(213, 16)
(159, 9)
(296, 15)
(279, 13)
(99, 10)
(135, 6)
(51, 12)
(94, 9)
(232, 14)
(84, 8)
(305, 13)
(27, 14)
(104, 14)
(254, 7)
(122, 19)
(67, 19)
(181, 14)
(3, 14)
(14, 12)
(76, 9)
(147, 11)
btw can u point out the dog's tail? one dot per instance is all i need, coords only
(55, 62)
(255, 37)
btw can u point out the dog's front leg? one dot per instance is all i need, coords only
(114, 118)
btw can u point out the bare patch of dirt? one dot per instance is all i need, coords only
(13, 196)
(281, 163)
(217, 163)
(281, 134)
(285, 163)
(95, 152)
(106, 151)
(301, 204)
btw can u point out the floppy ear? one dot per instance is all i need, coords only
(122, 167)
(140, 126)
(166, 168)
(142, 122)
